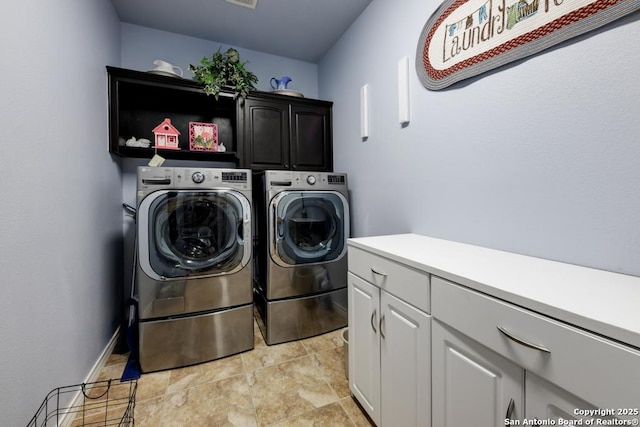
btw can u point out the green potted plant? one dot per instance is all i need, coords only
(224, 69)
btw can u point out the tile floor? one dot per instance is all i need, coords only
(301, 383)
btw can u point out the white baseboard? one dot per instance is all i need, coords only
(67, 419)
(102, 361)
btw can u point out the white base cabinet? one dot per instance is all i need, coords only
(500, 353)
(389, 356)
(472, 385)
(450, 335)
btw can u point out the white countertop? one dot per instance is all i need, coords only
(599, 301)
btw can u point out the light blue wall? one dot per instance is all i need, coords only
(142, 45)
(61, 222)
(540, 158)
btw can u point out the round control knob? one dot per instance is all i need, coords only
(311, 180)
(198, 177)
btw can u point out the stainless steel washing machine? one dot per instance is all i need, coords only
(300, 269)
(193, 278)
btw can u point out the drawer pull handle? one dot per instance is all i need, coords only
(381, 325)
(522, 342)
(373, 322)
(510, 409)
(377, 272)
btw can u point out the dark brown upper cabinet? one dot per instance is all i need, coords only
(285, 132)
(262, 131)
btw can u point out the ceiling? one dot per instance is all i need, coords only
(297, 29)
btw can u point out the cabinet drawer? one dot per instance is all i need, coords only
(406, 283)
(600, 371)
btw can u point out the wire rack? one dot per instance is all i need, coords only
(101, 403)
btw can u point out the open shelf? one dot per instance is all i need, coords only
(140, 101)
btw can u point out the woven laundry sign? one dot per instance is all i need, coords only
(464, 38)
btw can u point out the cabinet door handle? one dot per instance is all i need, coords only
(523, 342)
(510, 409)
(377, 272)
(373, 322)
(380, 327)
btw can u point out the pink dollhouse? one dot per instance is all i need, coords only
(166, 135)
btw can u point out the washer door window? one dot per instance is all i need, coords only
(309, 227)
(186, 233)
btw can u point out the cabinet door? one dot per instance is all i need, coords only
(364, 345)
(266, 134)
(311, 140)
(472, 385)
(406, 364)
(546, 401)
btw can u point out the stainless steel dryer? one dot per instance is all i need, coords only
(194, 265)
(300, 269)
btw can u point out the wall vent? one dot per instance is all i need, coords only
(251, 4)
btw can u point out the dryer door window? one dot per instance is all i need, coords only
(309, 227)
(196, 233)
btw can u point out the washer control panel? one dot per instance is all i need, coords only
(207, 178)
(197, 177)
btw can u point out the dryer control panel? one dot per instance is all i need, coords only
(293, 180)
(337, 179)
